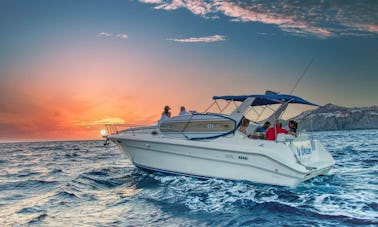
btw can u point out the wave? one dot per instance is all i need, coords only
(72, 182)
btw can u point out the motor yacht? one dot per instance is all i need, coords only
(209, 145)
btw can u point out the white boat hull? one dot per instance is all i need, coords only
(233, 157)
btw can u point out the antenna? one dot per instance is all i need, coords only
(303, 73)
(283, 106)
(295, 86)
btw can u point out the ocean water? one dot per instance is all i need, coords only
(87, 184)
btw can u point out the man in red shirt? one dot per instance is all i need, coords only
(272, 132)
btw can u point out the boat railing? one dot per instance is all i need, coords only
(140, 129)
(150, 130)
(113, 129)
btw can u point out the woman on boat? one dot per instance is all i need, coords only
(182, 111)
(165, 115)
(293, 125)
(243, 127)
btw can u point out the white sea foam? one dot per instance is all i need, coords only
(84, 183)
(347, 204)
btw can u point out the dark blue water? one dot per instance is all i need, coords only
(87, 184)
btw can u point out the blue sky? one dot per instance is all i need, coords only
(69, 58)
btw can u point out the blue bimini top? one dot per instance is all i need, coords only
(270, 99)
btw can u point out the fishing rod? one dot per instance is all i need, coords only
(300, 78)
(302, 75)
(281, 110)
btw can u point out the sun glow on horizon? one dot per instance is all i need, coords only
(103, 132)
(105, 121)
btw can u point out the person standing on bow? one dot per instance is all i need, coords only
(165, 115)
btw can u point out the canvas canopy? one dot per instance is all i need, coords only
(270, 99)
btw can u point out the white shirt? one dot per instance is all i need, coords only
(163, 118)
(183, 113)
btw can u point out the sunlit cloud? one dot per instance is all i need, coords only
(107, 35)
(207, 39)
(103, 34)
(151, 1)
(365, 27)
(197, 7)
(321, 19)
(122, 36)
(108, 120)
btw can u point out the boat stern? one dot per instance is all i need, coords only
(312, 155)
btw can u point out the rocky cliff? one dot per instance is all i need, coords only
(332, 117)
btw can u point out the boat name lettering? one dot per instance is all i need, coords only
(243, 157)
(304, 151)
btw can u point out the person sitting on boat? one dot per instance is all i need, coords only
(165, 115)
(244, 125)
(260, 132)
(293, 125)
(182, 111)
(271, 133)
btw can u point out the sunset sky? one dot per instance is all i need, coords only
(67, 66)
